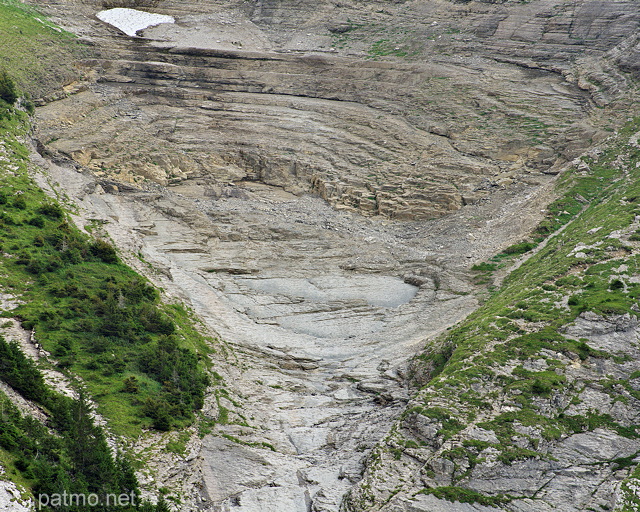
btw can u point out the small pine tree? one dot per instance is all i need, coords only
(162, 506)
(146, 506)
(8, 89)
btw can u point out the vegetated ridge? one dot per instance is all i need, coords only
(535, 396)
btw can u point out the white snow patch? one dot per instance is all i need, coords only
(130, 21)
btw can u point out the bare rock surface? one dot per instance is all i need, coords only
(408, 111)
(322, 309)
(315, 179)
(11, 498)
(572, 473)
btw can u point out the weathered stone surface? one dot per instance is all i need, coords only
(275, 93)
(11, 497)
(270, 160)
(574, 472)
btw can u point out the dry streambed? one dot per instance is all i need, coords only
(322, 309)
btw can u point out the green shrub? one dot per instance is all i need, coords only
(540, 387)
(484, 267)
(162, 505)
(545, 228)
(155, 321)
(159, 411)
(8, 89)
(514, 454)
(520, 248)
(466, 496)
(51, 210)
(616, 284)
(29, 106)
(584, 351)
(430, 364)
(105, 251)
(37, 222)
(19, 203)
(131, 385)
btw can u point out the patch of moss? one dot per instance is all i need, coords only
(464, 495)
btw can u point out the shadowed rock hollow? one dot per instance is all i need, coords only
(315, 179)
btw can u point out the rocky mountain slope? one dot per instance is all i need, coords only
(394, 109)
(316, 180)
(530, 404)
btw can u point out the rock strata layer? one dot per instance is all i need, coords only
(315, 179)
(408, 111)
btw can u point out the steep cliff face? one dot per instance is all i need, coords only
(406, 110)
(316, 179)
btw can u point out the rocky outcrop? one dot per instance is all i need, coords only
(11, 498)
(574, 472)
(402, 116)
(268, 164)
(531, 403)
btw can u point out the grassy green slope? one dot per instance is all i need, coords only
(576, 270)
(141, 360)
(37, 54)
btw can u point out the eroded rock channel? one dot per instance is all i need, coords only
(322, 310)
(318, 199)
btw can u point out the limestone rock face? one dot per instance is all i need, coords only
(11, 497)
(572, 473)
(315, 179)
(406, 110)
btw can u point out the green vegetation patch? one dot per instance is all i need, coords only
(69, 454)
(144, 362)
(514, 349)
(66, 455)
(519, 248)
(385, 47)
(35, 53)
(464, 495)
